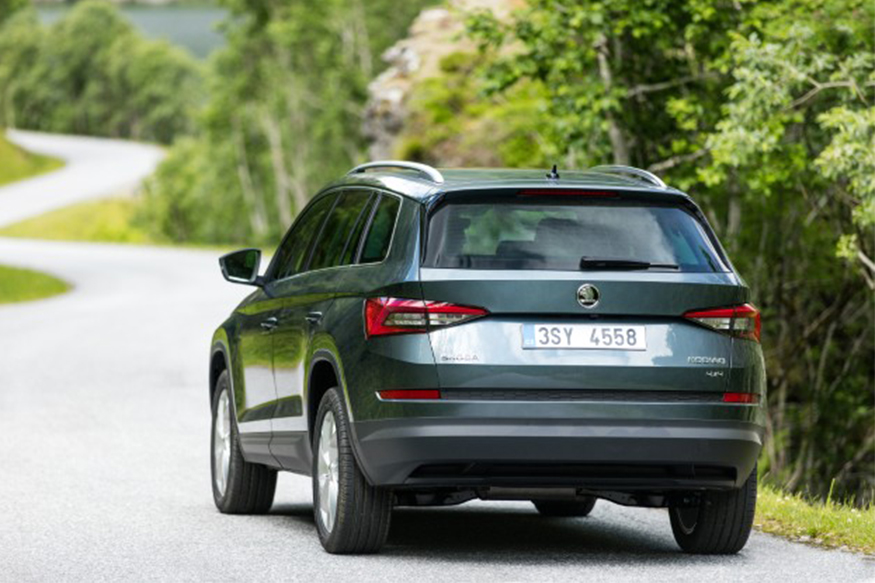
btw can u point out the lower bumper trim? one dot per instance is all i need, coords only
(667, 455)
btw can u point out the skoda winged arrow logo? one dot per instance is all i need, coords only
(588, 295)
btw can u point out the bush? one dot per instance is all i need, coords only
(92, 73)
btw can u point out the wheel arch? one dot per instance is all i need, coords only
(220, 360)
(323, 374)
(326, 371)
(218, 364)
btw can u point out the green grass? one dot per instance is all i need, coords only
(111, 220)
(17, 164)
(24, 285)
(104, 221)
(830, 524)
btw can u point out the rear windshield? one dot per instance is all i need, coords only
(544, 236)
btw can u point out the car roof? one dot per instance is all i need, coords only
(418, 185)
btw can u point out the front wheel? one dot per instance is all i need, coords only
(239, 487)
(352, 516)
(720, 524)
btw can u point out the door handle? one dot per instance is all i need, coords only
(269, 324)
(314, 317)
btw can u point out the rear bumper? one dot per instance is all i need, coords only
(600, 455)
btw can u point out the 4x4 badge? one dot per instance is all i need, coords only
(588, 295)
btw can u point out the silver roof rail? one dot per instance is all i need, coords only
(631, 171)
(424, 169)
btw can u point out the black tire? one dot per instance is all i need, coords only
(363, 512)
(561, 508)
(249, 488)
(720, 525)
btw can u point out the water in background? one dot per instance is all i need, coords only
(191, 27)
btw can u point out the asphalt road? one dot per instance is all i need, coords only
(96, 167)
(104, 441)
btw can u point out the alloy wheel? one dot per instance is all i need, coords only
(222, 443)
(328, 471)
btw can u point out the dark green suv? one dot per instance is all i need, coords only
(426, 337)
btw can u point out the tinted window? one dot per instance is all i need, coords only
(332, 242)
(380, 234)
(293, 252)
(349, 256)
(520, 235)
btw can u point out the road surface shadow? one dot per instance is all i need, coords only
(298, 513)
(515, 536)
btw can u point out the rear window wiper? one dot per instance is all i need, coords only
(593, 263)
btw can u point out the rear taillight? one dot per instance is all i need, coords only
(739, 321)
(402, 316)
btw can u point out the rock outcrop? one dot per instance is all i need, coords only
(436, 33)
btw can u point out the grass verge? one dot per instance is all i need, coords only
(17, 164)
(24, 285)
(110, 220)
(829, 524)
(103, 221)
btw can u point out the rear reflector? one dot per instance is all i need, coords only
(567, 192)
(738, 321)
(750, 398)
(384, 316)
(410, 394)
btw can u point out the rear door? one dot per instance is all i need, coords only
(602, 327)
(308, 292)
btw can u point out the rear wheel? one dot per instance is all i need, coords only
(720, 524)
(239, 487)
(352, 516)
(560, 508)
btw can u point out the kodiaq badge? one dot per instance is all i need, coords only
(588, 295)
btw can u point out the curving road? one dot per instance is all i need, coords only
(104, 426)
(95, 168)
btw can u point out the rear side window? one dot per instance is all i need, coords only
(336, 233)
(379, 236)
(292, 254)
(352, 247)
(542, 235)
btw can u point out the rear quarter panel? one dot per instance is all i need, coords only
(386, 362)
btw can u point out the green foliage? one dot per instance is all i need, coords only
(610, 66)
(7, 7)
(92, 73)
(195, 195)
(17, 164)
(798, 133)
(25, 285)
(850, 156)
(448, 123)
(804, 94)
(763, 111)
(283, 118)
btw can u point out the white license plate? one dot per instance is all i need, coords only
(584, 336)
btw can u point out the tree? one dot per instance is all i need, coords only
(628, 82)
(92, 73)
(8, 7)
(284, 114)
(798, 133)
